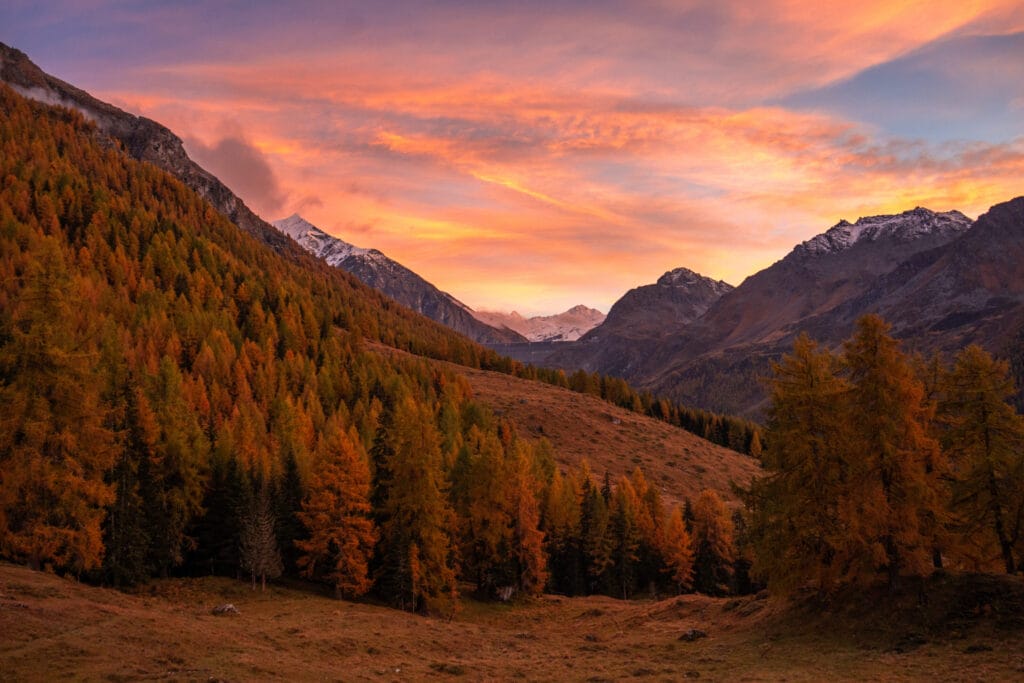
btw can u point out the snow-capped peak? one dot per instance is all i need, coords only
(906, 226)
(567, 326)
(318, 242)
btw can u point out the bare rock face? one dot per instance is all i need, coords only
(395, 280)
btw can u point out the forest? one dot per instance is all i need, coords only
(177, 399)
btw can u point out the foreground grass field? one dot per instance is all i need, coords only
(53, 628)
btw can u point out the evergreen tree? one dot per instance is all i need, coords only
(258, 544)
(712, 544)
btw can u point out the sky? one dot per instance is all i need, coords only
(532, 156)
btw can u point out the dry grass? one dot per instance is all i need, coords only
(610, 438)
(613, 439)
(54, 628)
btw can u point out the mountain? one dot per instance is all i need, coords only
(567, 326)
(642, 320)
(141, 138)
(941, 280)
(147, 140)
(395, 280)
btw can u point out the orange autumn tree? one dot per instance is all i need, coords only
(984, 439)
(794, 509)
(713, 551)
(54, 447)
(677, 551)
(895, 509)
(417, 558)
(336, 514)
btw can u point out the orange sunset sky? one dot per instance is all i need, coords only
(537, 155)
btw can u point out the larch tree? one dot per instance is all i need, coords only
(54, 446)
(984, 440)
(418, 560)
(336, 515)
(677, 551)
(895, 512)
(795, 525)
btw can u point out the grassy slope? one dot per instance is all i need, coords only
(56, 628)
(612, 438)
(608, 437)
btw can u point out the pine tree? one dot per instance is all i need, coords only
(336, 514)
(984, 440)
(712, 544)
(258, 543)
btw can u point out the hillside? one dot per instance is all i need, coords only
(583, 427)
(57, 628)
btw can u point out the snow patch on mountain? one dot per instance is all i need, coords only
(906, 226)
(567, 326)
(320, 244)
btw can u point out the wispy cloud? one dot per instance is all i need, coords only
(548, 154)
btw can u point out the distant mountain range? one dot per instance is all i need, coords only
(392, 278)
(940, 279)
(567, 326)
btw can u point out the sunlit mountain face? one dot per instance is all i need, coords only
(540, 156)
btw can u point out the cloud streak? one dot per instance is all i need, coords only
(565, 152)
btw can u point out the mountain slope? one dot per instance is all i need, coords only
(392, 278)
(567, 326)
(941, 280)
(142, 138)
(640, 322)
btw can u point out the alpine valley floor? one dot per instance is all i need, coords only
(969, 629)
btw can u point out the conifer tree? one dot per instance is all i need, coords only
(336, 514)
(677, 549)
(796, 529)
(894, 512)
(712, 544)
(984, 440)
(258, 544)
(54, 447)
(561, 524)
(418, 562)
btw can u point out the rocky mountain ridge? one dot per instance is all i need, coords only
(392, 278)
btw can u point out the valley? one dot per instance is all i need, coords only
(165, 631)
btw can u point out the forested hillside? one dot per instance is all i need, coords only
(176, 397)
